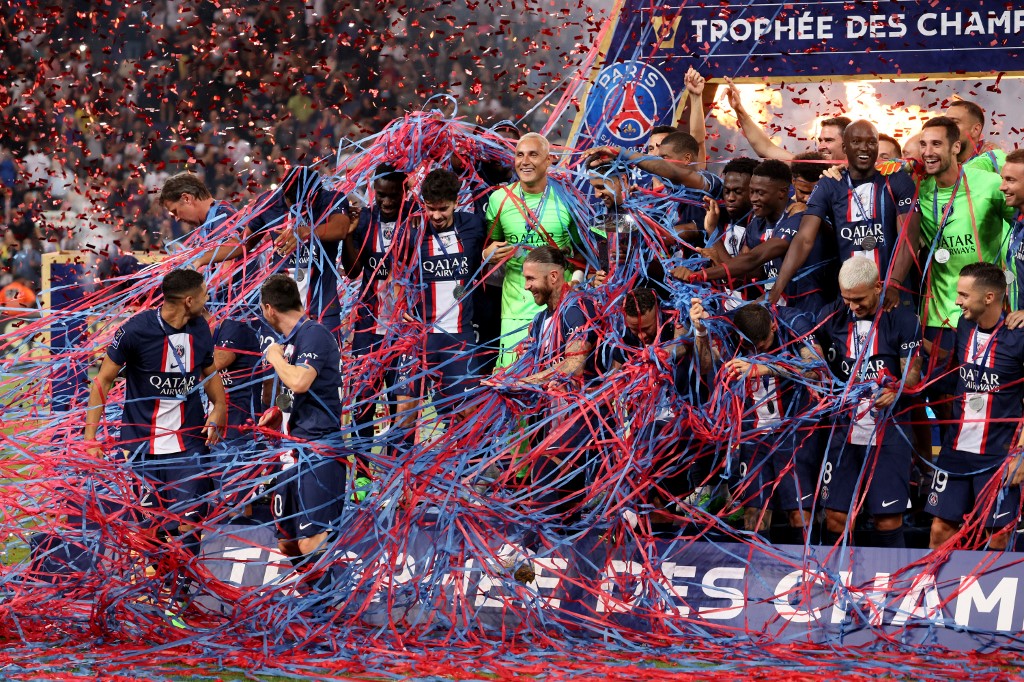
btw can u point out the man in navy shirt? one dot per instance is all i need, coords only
(875, 352)
(560, 357)
(979, 470)
(777, 469)
(189, 201)
(307, 222)
(167, 358)
(766, 241)
(308, 498)
(442, 269)
(368, 255)
(872, 216)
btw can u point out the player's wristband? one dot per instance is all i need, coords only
(700, 335)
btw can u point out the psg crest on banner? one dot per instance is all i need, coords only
(626, 101)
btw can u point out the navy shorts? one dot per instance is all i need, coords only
(775, 475)
(309, 495)
(883, 470)
(448, 357)
(953, 496)
(174, 482)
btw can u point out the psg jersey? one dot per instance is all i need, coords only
(806, 291)
(449, 260)
(575, 319)
(313, 264)
(316, 413)
(163, 411)
(865, 214)
(375, 240)
(868, 350)
(241, 378)
(989, 374)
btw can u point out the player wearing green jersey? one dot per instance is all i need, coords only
(963, 220)
(521, 216)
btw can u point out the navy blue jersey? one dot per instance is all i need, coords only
(316, 413)
(733, 233)
(163, 411)
(776, 398)
(870, 349)
(375, 242)
(806, 291)
(449, 264)
(551, 333)
(622, 349)
(220, 212)
(313, 264)
(865, 214)
(989, 374)
(241, 378)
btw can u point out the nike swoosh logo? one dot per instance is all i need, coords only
(889, 504)
(999, 516)
(805, 496)
(304, 526)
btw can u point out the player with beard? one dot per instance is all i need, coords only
(308, 495)
(980, 467)
(1012, 188)
(963, 217)
(872, 216)
(766, 241)
(561, 358)
(868, 452)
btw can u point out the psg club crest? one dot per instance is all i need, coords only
(625, 102)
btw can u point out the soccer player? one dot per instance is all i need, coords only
(979, 470)
(562, 338)
(445, 267)
(524, 215)
(368, 254)
(307, 222)
(974, 151)
(962, 221)
(869, 453)
(1012, 188)
(236, 355)
(727, 232)
(167, 358)
(625, 254)
(830, 137)
(186, 197)
(679, 153)
(776, 470)
(806, 172)
(766, 241)
(872, 216)
(308, 497)
(889, 148)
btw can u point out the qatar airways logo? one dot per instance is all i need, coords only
(176, 386)
(446, 268)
